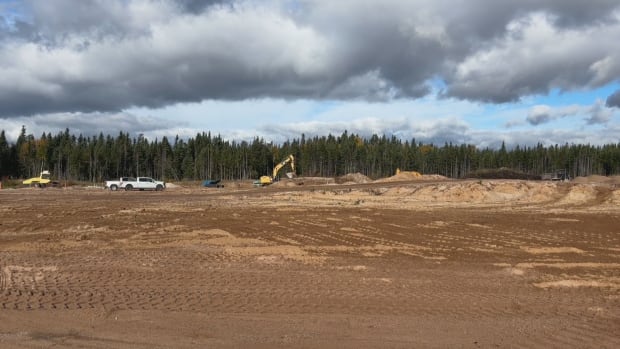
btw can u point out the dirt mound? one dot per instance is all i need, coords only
(614, 198)
(504, 191)
(580, 193)
(597, 179)
(477, 192)
(286, 183)
(410, 176)
(501, 173)
(172, 186)
(434, 177)
(355, 178)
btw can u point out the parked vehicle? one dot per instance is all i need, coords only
(212, 183)
(139, 183)
(144, 183)
(42, 181)
(116, 185)
(558, 175)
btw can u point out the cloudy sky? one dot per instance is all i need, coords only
(462, 71)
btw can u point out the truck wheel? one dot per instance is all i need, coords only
(129, 187)
(159, 187)
(114, 187)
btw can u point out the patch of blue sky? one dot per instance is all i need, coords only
(558, 97)
(513, 115)
(11, 11)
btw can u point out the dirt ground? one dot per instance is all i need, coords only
(392, 264)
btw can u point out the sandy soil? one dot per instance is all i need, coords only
(426, 263)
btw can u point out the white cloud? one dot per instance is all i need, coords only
(540, 114)
(597, 113)
(535, 56)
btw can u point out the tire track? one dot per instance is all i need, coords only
(139, 265)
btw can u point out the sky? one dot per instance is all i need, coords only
(479, 72)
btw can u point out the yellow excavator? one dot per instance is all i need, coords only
(42, 181)
(266, 180)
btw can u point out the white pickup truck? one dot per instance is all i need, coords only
(131, 183)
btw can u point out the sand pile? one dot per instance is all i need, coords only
(285, 183)
(353, 178)
(478, 192)
(410, 176)
(579, 193)
(614, 198)
(402, 176)
(434, 177)
(499, 191)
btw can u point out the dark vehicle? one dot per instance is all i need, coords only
(558, 175)
(212, 183)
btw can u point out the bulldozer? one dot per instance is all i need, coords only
(42, 181)
(267, 180)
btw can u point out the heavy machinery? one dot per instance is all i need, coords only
(558, 175)
(266, 180)
(42, 181)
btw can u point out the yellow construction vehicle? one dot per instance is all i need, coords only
(42, 181)
(266, 180)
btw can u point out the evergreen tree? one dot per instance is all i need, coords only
(205, 156)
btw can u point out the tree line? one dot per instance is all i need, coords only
(207, 156)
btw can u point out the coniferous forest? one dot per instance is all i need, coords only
(206, 156)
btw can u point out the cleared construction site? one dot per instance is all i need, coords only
(407, 261)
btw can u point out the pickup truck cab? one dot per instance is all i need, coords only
(144, 183)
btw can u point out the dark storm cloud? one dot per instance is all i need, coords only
(56, 20)
(614, 100)
(197, 6)
(109, 55)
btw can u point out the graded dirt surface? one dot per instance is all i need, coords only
(414, 264)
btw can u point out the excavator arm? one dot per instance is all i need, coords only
(283, 163)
